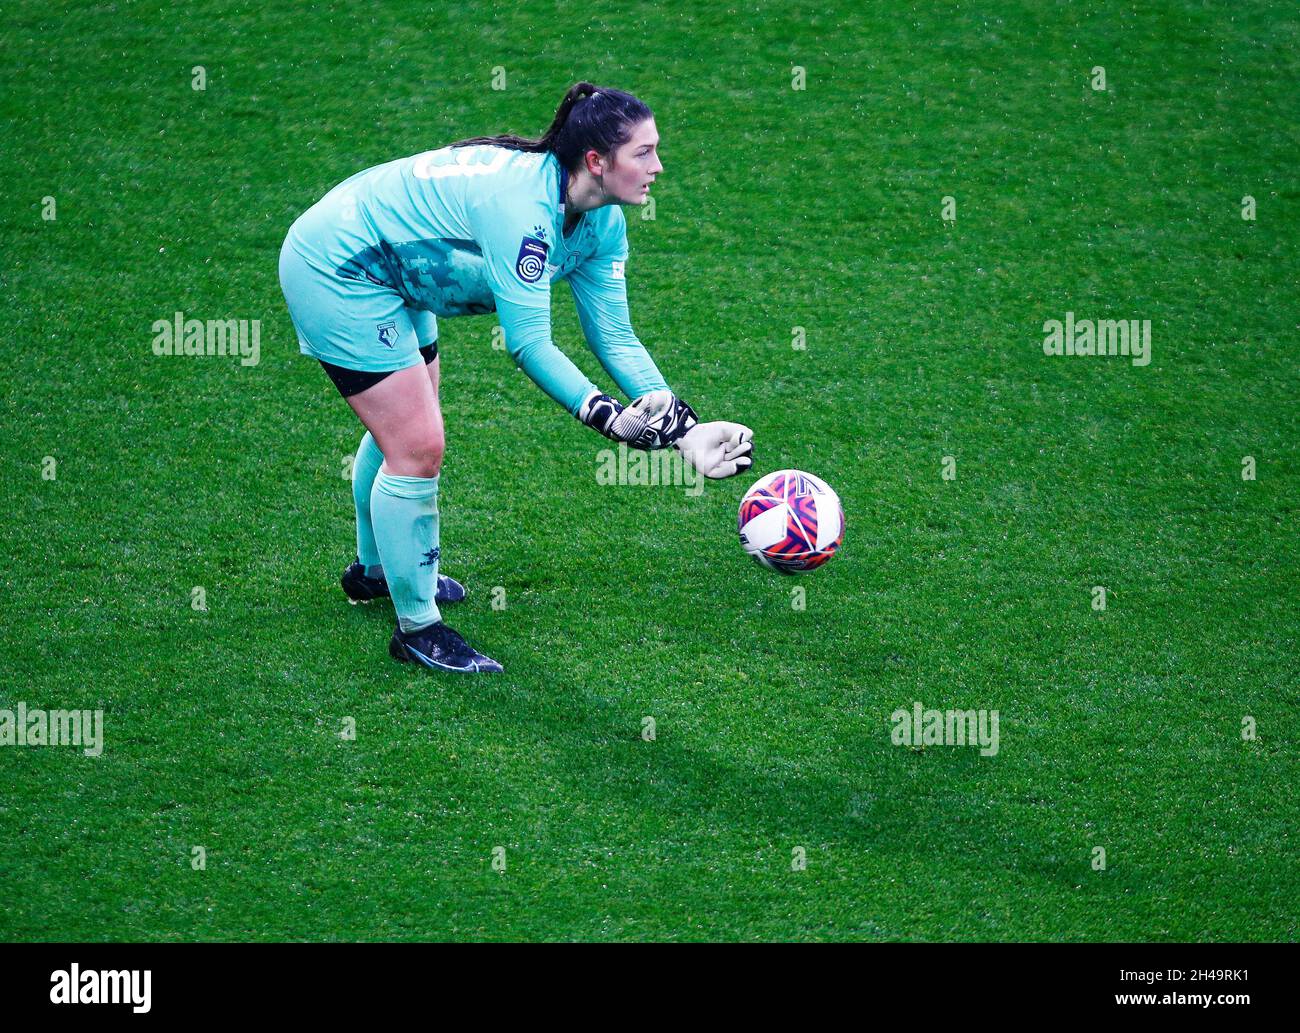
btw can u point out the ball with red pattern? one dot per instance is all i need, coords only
(791, 521)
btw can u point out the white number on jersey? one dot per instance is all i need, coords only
(459, 161)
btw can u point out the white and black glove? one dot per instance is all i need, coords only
(658, 419)
(654, 420)
(718, 449)
(655, 403)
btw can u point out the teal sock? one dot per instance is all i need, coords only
(404, 513)
(364, 469)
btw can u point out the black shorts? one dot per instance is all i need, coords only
(353, 381)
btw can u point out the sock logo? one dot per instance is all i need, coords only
(431, 557)
(73, 986)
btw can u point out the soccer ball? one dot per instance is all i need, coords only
(791, 521)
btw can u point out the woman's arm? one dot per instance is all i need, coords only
(600, 293)
(514, 238)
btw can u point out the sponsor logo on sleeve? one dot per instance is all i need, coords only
(531, 262)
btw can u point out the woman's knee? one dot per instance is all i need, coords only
(402, 413)
(428, 456)
(420, 457)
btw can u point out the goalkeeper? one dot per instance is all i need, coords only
(482, 225)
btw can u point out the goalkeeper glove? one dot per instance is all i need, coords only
(655, 403)
(655, 420)
(658, 419)
(718, 449)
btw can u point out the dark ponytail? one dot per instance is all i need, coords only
(589, 118)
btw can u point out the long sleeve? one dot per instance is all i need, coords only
(528, 340)
(514, 239)
(600, 293)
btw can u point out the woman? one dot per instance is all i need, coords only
(482, 225)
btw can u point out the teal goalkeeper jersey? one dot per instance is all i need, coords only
(467, 230)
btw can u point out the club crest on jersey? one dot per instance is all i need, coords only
(531, 262)
(387, 334)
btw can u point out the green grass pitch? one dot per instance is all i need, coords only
(1122, 729)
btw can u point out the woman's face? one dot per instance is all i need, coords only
(634, 166)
